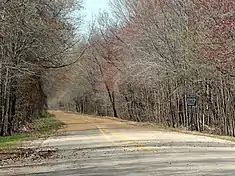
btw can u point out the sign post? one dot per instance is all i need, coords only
(191, 101)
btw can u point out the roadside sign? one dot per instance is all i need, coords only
(191, 100)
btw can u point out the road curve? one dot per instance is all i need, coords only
(104, 147)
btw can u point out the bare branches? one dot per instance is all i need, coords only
(157, 54)
(34, 36)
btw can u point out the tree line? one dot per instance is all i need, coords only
(35, 36)
(143, 64)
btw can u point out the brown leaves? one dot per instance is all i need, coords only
(19, 154)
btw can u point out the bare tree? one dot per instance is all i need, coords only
(34, 36)
(155, 55)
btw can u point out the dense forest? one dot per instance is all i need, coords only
(35, 36)
(142, 61)
(150, 57)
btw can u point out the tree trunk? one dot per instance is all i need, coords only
(7, 104)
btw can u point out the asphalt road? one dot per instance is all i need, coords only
(105, 147)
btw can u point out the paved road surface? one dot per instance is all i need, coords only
(105, 147)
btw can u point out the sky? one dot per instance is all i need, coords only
(92, 8)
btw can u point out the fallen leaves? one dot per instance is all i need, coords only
(19, 154)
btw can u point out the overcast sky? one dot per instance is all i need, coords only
(92, 8)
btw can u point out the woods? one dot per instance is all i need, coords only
(35, 36)
(144, 62)
(141, 63)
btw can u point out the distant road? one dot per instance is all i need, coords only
(95, 146)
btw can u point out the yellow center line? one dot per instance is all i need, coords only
(125, 139)
(108, 139)
(136, 144)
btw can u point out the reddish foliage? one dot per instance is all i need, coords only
(216, 20)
